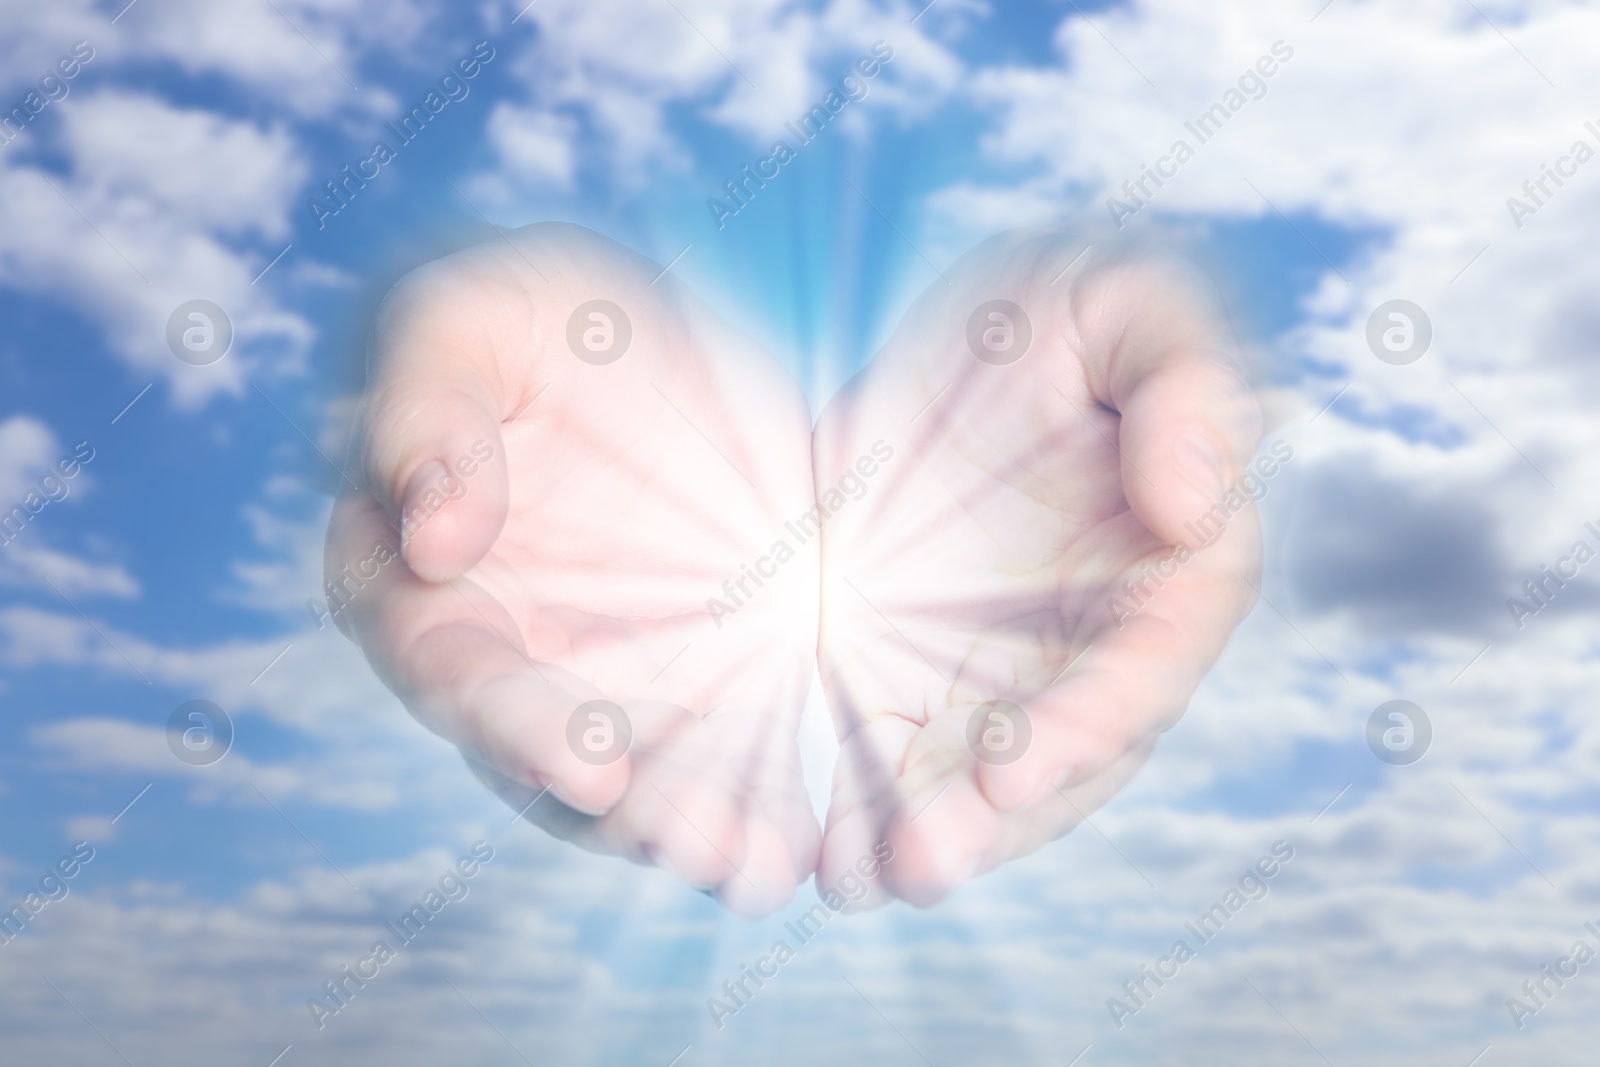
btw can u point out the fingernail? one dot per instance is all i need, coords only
(1200, 464)
(414, 508)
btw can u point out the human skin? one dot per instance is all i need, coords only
(580, 561)
(981, 563)
(577, 563)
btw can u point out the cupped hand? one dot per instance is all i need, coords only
(1028, 591)
(570, 469)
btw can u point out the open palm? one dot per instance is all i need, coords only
(1006, 625)
(570, 500)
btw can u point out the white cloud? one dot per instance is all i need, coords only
(159, 204)
(203, 958)
(228, 177)
(746, 68)
(106, 744)
(139, 225)
(535, 146)
(92, 828)
(30, 458)
(44, 567)
(27, 449)
(1406, 918)
(293, 52)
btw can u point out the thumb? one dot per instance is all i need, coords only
(1188, 432)
(434, 456)
(1160, 355)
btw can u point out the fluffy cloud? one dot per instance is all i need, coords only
(29, 452)
(1417, 902)
(142, 222)
(43, 567)
(27, 449)
(535, 146)
(295, 53)
(145, 203)
(742, 68)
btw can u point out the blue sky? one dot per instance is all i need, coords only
(183, 161)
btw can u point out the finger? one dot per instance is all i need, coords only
(458, 662)
(865, 797)
(1059, 811)
(1086, 797)
(768, 878)
(919, 848)
(539, 807)
(748, 855)
(940, 839)
(712, 802)
(432, 446)
(945, 831)
(853, 856)
(954, 834)
(1155, 351)
(1162, 633)
(695, 833)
